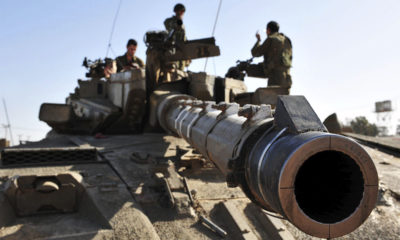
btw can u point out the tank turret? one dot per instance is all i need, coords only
(138, 179)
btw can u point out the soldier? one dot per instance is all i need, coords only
(159, 70)
(176, 23)
(129, 61)
(277, 52)
(174, 26)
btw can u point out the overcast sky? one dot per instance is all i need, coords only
(346, 53)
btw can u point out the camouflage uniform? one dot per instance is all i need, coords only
(122, 61)
(180, 32)
(179, 36)
(275, 71)
(154, 68)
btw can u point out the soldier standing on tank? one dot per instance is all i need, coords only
(174, 25)
(158, 70)
(277, 52)
(129, 61)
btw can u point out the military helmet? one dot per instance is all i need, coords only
(179, 7)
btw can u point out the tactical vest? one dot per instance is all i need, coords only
(280, 56)
(286, 56)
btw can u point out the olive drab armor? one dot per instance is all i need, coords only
(286, 58)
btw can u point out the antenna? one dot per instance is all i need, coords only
(112, 28)
(8, 126)
(213, 31)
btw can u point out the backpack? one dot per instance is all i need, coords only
(286, 58)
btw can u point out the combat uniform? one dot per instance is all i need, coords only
(154, 68)
(122, 61)
(179, 36)
(278, 74)
(172, 24)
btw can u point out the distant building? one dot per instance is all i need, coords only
(387, 118)
(398, 129)
(383, 131)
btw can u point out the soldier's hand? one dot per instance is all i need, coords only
(258, 36)
(135, 66)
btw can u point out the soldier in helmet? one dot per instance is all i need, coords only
(277, 52)
(129, 61)
(175, 23)
(175, 26)
(159, 70)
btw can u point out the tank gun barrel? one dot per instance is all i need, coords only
(284, 160)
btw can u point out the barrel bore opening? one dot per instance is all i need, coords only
(329, 186)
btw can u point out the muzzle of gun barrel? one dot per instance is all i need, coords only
(325, 184)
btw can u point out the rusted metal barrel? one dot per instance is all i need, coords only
(284, 160)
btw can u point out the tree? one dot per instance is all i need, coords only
(361, 125)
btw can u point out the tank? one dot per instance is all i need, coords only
(193, 157)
